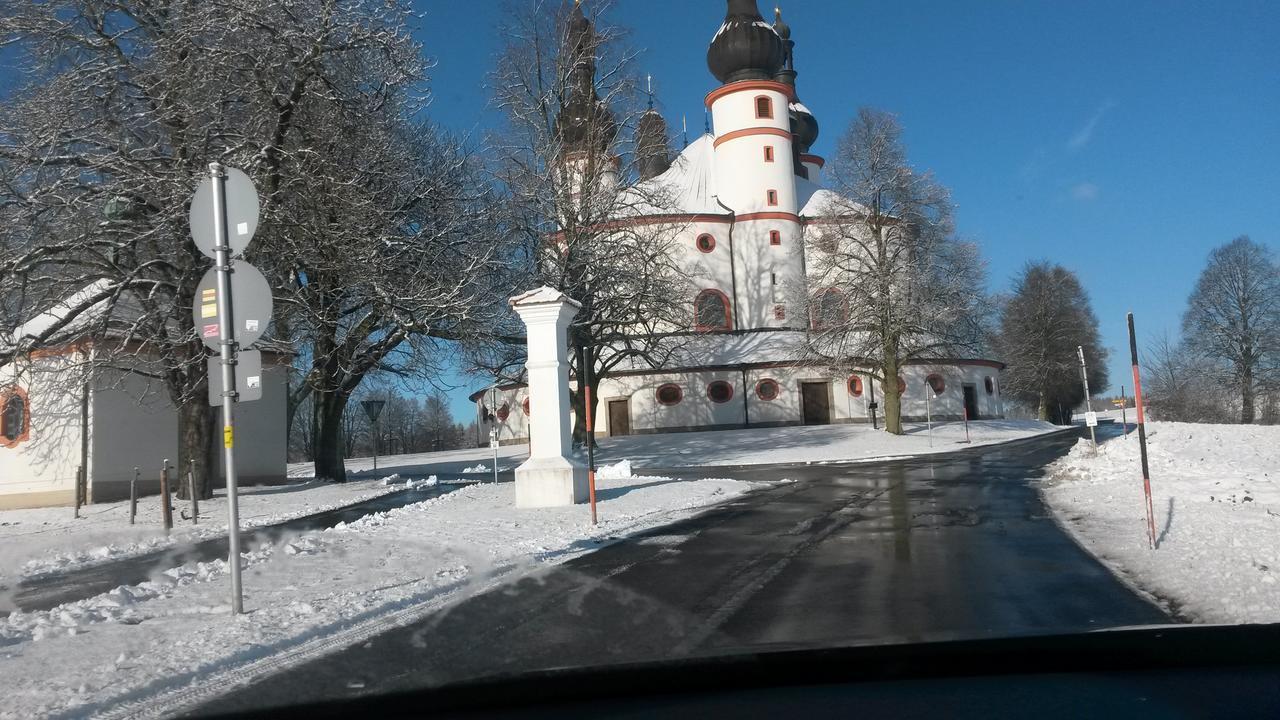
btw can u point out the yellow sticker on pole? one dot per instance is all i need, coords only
(208, 311)
(228, 436)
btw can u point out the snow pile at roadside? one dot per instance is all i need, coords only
(40, 541)
(155, 648)
(1216, 498)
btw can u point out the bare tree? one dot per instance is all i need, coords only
(1045, 319)
(1234, 315)
(1184, 386)
(565, 85)
(123, 106)
(888, 283)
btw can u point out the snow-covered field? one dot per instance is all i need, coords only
(754, 446)
(151, 649)
(43, 540)
(1216, 497)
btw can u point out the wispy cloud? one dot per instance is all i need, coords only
(1084, 135)
(1084, 192)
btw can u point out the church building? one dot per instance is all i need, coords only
(749, 198)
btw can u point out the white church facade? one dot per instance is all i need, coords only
(749, 203)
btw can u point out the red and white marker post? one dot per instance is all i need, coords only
(1142, 433)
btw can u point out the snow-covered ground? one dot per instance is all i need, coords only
(43, 540)
(753, 446)
(150, 650)
(1216, 498)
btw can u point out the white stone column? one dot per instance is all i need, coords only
(550, 477)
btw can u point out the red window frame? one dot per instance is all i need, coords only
(768, 382)
(728, 312)
(711, 242)
(768, 153)
(902, 386)
(771, 197)
(525, 406)
(764, 109)
(779, 312)
(775, 237)
(657, 394)
(720, 384)
(816, 320)
(24, 433)
(855, 386)
(936, 383)
(504, 412)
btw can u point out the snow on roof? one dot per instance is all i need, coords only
(688, 186)
(727, 349)
(58, 312)
(817, 201)
(542, 295)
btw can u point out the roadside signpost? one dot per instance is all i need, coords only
(1090, 417)
(373, 408)
(493, 431)
(224, 217)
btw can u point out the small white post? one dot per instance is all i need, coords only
(550, 477)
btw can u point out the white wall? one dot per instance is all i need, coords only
(42, 469)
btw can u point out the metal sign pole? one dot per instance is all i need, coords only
(226, 341)
(1088, 404)
(493, 432)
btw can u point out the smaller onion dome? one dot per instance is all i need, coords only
(746, 47)
(780, 27)
(804, 125)
(652, 155)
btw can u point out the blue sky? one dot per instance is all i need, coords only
(1122, 140)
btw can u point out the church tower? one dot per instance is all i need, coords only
(585, 126)
(756, 163)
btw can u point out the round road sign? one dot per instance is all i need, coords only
(242, 213)
(251, 305)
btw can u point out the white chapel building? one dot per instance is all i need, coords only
(749, 196)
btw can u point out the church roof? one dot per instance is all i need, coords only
(687, 187)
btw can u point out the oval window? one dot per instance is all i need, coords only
(767, 389)
(706, 243)
(504, 412)
(902, 385)
(937, 383)
(525, 405)
(855, 386)
(990, 384)
(720, 391)
(670, 394)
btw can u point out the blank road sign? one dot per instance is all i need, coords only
(242, 213)
(248, 377)
(251, 305)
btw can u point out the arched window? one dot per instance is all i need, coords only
(855, 386)
(764, 106)
(937, 383)
(669, 394)
(990, 384)
(15, 420)
(711, 310)
(720, 391)
(767, 389)
(830, 309)
(775, 237)
(504, 412)
(705, 242)
(902, 385)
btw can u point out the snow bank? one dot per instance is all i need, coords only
(157, 648)
(617, 470)
(41, 541)
(1216, 499)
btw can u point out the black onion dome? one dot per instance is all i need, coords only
(652, 155)
(584, 120)
(804, 125)
(745, 48)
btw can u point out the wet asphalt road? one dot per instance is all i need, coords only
(888, 552)
(49, 591)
